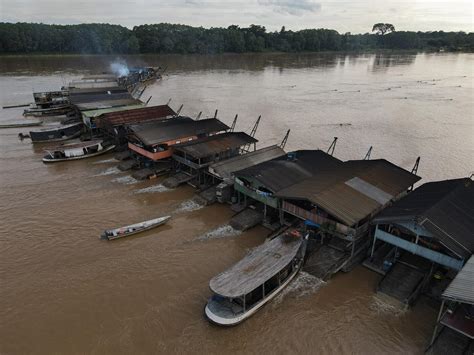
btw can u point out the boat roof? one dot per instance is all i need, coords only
(353, 190)
(76, 145)
(445, 208)
(225, 168)
(156, 132)
(215, 144)
(461, 289)
(260, 265)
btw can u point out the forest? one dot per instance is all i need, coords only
(20, 38)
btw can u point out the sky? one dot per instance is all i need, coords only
(355, 16)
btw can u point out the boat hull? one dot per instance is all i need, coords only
(103, 151)
(56, 134)
(112, 236)
(229, 322)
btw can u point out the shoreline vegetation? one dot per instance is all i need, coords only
(164, 38)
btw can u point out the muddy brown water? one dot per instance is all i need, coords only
(62, 291)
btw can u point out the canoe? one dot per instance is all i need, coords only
(20, 124)
(75, 151)
(111, 234)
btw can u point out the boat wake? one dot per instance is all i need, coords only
(126, 180)
(224, 231)
(189, 206)
(110, 171)
(303, 285)
(385, 305)
(151, 189)
(105, 161)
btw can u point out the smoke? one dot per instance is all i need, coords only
(120, 69)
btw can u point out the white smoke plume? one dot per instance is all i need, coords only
(120, 69)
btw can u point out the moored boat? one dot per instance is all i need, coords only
(75, 151)
(50, 111)
(111, 234)
(243, 289)
(20, 124)
(56, 133)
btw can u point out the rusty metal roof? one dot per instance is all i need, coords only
(353, 190)
(156, 132)
(225, 168)
(287, 170)
(215, 144)
(461, 289)
(445, 208)
(142, 114)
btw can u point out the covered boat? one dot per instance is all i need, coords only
(50, 111)
(111, 234)
(243, 289)
(56, 133)
(74, 151)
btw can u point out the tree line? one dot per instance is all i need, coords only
(171, 38)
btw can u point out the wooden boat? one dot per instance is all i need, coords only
(247, 286)
(50, 111)
(20, 124)
(75, 151)
(56, 133)
(111, 234)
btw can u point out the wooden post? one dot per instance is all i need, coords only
(373, 243)
(437, 323)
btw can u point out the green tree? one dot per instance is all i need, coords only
(383, 28)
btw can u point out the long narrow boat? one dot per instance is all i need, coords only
(50, 111)
(20, 124)
(247, 286)
(56, 133)
(75, 151)
(111, 234)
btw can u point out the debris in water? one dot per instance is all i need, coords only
(126, 180)
(151, 189)
(189, 206)
(224, 231)
(109, 171)
(385, 305)
(303, 285)
(106, 161)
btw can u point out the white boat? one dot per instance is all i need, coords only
(247, 286)
(75, 151)
(111, 234)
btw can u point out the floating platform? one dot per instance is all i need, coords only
(246, 219)
(206, 197)
(122, 155)
(177, 179)
(127, 165)
(402, 282)
(451, 342)
(325, 261)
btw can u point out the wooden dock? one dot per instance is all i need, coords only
(177, 179)
(246, 219)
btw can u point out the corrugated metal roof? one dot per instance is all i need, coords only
(142, 114)
(461, 289)
(225, 168)
(289, 169)
(215, 144)
(348, 199)
(156, 132)
(445, 208)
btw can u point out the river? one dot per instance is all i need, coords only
(62, 291)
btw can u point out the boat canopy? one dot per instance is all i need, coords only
(260, 265)
(73, 146)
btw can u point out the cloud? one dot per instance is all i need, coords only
(292, 7)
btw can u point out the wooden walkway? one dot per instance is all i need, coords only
(401, 282)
